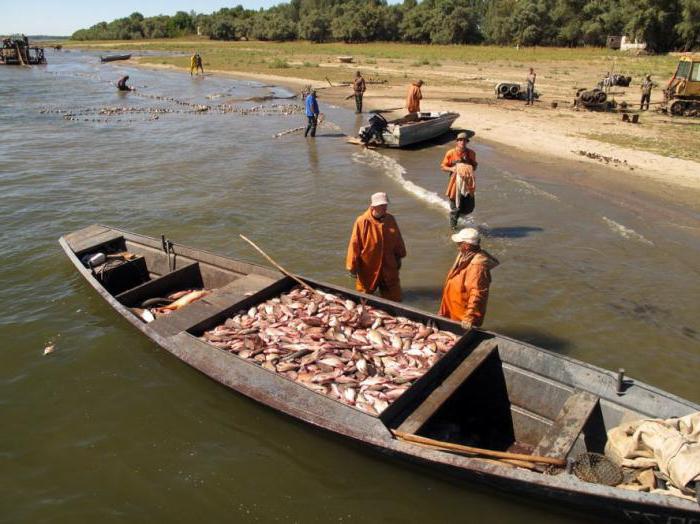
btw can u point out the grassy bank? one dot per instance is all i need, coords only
(393, 60)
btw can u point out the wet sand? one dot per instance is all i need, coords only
(539, 132)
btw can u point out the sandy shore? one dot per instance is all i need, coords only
(541, 130)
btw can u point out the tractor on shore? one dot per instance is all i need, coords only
(682, 96)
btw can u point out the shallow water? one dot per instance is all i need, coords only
(110, 427)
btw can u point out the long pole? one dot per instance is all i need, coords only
(410, 437)
(269, 259)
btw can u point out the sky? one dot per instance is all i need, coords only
(64, 17)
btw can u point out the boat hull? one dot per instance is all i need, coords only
(416, 128)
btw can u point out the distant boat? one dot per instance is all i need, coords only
(112, 58)
(410, 129)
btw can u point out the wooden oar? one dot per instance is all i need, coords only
(410, 437)
(301, 282)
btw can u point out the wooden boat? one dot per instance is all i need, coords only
(503, 390)
(410, 129)
(112, 58)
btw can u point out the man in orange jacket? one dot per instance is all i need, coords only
(466, 290)
(461, 164)
(414, 97)
(375, 251)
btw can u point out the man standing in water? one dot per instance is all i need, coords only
(414, 97)
(121, 84)
(531, 77)
(358, 86)
(196, 64)
(311, 113)
(375, 251)
(461, 164)
(466, 290)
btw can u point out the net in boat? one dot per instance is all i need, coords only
(598, 469)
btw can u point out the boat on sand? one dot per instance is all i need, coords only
(490, 410)
(407, 130)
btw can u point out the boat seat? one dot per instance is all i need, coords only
(444, 391)
(219, 300)
(92, 238)
(560, 438)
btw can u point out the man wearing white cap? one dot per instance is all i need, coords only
(375, 251)
(466, 290)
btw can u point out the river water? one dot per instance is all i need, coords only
(111, 428)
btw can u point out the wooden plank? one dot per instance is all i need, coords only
(444, 391)
(562, 435)
(90, 237)
(195, 313)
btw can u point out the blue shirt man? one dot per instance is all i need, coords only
(311, 113)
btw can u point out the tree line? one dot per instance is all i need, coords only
(664, 24)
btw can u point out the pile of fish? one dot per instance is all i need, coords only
(354, 353)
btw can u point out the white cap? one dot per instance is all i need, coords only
(468, 235)
(379, 199)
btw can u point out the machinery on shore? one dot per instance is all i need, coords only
(595, 99)
(15, 50)
(682, 96)
(512, 91)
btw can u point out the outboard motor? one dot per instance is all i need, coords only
(375, 130)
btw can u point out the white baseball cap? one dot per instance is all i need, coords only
(468, 235)
(379, 199)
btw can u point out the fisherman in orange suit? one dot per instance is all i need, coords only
(375, 251)
(414, 97)
(460, 163)
(466, 290)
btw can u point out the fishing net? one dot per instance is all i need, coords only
(598, 469)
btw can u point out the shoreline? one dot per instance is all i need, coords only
(641, 170)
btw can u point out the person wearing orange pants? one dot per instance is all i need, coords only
(375, 251)
(466, 290)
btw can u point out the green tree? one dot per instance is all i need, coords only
(689, 26)
(315, 25)
(653, 21)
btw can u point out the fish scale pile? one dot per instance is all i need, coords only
(354, 353)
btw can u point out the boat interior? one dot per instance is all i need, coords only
(488, 391)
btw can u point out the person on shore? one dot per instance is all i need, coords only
(531, 78)
(466, 290)
(311, 113)
(359, 87)
(460, 162)
(414, 97)
(647, 86)
(375, 251)
(121, 84)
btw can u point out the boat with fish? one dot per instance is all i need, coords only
(477, 406)
(114, 58)
(407, 130)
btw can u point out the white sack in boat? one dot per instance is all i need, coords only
(672, 445)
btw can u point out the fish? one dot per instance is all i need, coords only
(354, 353)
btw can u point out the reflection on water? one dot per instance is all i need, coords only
(111, 427)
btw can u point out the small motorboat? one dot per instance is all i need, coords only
(113, 58)
(410, 129)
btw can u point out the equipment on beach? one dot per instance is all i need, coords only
(486, 409)
(512, 91)
(682, 95)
